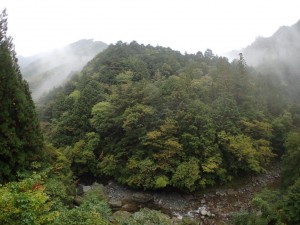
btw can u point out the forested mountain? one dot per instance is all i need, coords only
(151, 117)
(48, 70)
(278, 56)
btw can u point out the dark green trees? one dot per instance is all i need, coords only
(20, 136)
(151, 117)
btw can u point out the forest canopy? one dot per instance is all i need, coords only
(151, 117)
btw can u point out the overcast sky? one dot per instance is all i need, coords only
(184, 25)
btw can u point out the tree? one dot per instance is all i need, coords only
(20, 137)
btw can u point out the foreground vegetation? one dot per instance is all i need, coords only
(150, 118)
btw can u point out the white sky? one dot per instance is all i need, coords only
(184, 25)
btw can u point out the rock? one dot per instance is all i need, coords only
(120, 216)
(115, 203)
(208, 214)
(203, 212)
(203, 201)
(142, 197)
(130, 207)
(81, 189)
(86, 188)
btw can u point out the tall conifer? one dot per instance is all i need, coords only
(20, 136)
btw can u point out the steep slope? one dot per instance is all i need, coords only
(48, 70)
(283, 46)
(278, 56)
(151, 117)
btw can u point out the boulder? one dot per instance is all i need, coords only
(81, 189)
(120, 216)
(142, 197)
(203, 212)
(130, 207)
(115, 203)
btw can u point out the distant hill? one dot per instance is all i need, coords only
(48, 70)
(282, 47)
(277, 56)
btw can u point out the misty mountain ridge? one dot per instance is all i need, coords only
(48, 70)
(283, 45)
(277, 56)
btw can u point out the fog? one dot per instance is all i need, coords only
(188, 26)
(277, 55)
(48, 70)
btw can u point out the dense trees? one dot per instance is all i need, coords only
(150, 118)
(20, 137)
(159, 116)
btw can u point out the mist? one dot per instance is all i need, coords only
(48, 70)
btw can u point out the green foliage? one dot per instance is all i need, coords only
(79, 216)
(187, 221)
(102, 119)
(161, 182)
(21, 140)
(26, 202)
(160, 118)
(93, 210)
(186, 175)
(147, 217)
(267, 210)
(246, 153)
(290, 161)
(82, 157)
(292, 203)
(279, 207)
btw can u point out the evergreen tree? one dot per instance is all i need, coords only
(20, 137)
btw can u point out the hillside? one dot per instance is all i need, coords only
(278, 56)
(151, 117)
(48, 70)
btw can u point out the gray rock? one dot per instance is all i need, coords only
(81, 189)
(203, 201)
(142, 197)
(115, 203)
(86, 188)
(121, 216)
(203, 212)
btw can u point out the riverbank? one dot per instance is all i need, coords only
(211, 206)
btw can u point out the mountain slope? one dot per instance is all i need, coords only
(278, 56)
(45, 71)
(151, 117)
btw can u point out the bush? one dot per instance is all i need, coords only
(147, 217)
(25, 202)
